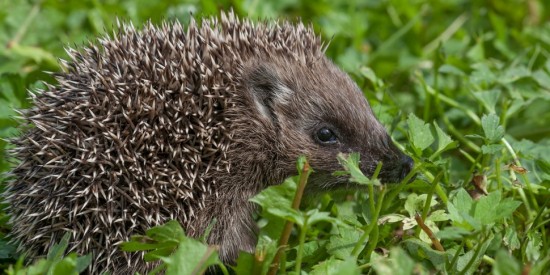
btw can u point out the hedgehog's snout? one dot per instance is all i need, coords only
(396, 166)
(394, 170)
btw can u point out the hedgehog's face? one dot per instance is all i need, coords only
(318, 111)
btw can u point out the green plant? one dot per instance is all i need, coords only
(55, 263)
(463, 87)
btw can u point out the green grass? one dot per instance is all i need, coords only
(463, 86)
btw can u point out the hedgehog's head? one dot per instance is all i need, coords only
(316, 110)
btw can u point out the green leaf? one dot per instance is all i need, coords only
(143, 243)
(469, 262)
(245, 263)
(506, 264)
(488, 98)
(341, 245)
(65, 266)
(369, 74)
(391, 218)
(203, 257)
(534, 245)
(314, 216)
(514, 73)
(277, 200)
(415, 203)
(450, 69)
(56, 263)
(267, 249)
(276, 205)
(39, 267)
(438, 216)
(82, 263)
(259, 262)
(462, 201)
(169, 232)
(334, 266)
(36, 54)
(511, 239)
(444, 141)
(162, 240)
(482, 75)
(477, 52)
(484, 208)
(542, 78)
(419, 134)
(422, 251)
(398, 263)
(351, 166)
(452, 233)
(505, 208)
(493, 131)
(57, 251)
(7, 250)
(461, 211)
(491, 149)
(313, 251)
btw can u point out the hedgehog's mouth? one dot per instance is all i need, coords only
(326, 181)
(398, 172)
(395, 168)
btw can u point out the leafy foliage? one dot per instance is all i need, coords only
(169, 244)
(55, 263)
(463, 86)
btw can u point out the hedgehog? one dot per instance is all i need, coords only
(184, 123)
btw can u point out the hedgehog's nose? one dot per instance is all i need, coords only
(407, 165)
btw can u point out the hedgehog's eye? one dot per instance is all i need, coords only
(326, 136)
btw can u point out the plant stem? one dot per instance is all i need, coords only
(451, 102)
(448, 33)
(395, 191)
(489, 260)
(473, 259)
(430, 194)
(455, 257)
(373, 223)
(25, 25)
(497, 172)
(285, 235)
(429, 232)
(303, 230)
(533, 201)
(438, 190)
(201, 266)
(373, 241)
(371, 187)
(399, 33)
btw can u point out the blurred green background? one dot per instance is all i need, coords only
(482, 55)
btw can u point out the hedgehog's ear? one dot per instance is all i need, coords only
(267, 90)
